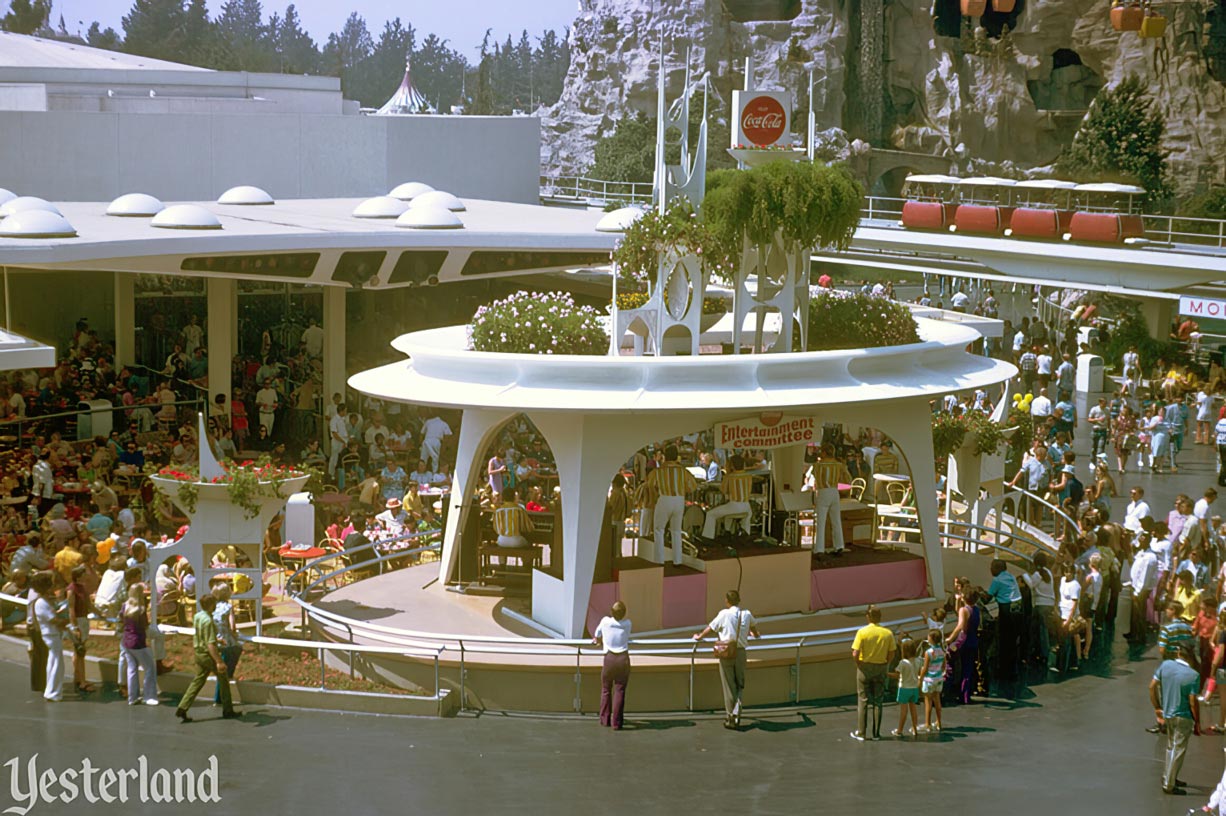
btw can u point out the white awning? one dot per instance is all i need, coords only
(21, 352)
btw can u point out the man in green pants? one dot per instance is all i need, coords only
(208, 661)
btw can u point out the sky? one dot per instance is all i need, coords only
(463, 22)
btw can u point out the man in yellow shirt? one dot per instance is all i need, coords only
(873, 649)
(672, 482)
(736, 486)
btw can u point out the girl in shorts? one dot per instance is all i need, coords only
(933, 674)
(908, 688)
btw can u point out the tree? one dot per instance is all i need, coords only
(347, 48)
(294, 48)
(26, 16)
(156, 28)
(241, 28)
(483, 101)
(374, 78)
(98, 38)
(1120, 140)
(629, 153)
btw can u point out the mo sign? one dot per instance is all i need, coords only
(1202, 307)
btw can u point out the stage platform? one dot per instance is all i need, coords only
(526, 673)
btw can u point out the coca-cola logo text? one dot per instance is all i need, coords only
(762, 120)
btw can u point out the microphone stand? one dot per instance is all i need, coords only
(740, 570)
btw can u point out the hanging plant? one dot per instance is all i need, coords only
(814, 205)
(246, 482)
(949, 433)
(677, 230)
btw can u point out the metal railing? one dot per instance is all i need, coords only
(596, 191)
(1178, 229)
(57, 421)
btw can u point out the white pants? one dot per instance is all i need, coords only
(727, 509)
(55, 664)
(267, 420)
(668, 513)
(826, 504)
(140, 660)
(512, 541)
(430, 450)
(647, 527)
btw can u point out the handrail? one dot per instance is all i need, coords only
(1055, 510)
(582, 187)
(380, 558)
(198, 404)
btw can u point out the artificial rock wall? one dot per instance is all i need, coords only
(961, 87)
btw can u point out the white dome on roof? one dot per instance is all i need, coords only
(36, 224)
(429, 217)
(380, 207)
(23, 203)
(410, 190)
(619, 220)
(186, 217)
(438, 198)
(6, 195)
(135, 205)
(245, 195)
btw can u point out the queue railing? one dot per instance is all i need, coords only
(600, 191)
(58, 421)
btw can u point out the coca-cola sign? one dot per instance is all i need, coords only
(763, 120)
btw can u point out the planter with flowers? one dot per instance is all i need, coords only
(538, 323)
(752, 155)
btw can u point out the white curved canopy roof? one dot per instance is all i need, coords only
(443, 371)
(1109, 187)
(380, 207)
(932, 178)
(6, 195)
(186, 217)
(1047, 184)
(987, 181)
(36, 224)
(135, 205)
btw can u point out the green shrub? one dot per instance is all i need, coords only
(841, 321)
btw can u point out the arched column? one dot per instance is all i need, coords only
(476, 430)
(909, 424)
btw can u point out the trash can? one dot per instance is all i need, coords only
(1090, 373)
(97, 418)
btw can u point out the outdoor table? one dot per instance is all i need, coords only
(300, 553)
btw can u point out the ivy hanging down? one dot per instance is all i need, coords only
(679, 231)
(538, 323)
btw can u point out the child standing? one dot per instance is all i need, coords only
(908, 688)
(933, 674)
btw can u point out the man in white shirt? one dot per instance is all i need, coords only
(432, 433)
(613, 635)
(377, 427)
(1040, 406)
(338, 434)
(1200, 512)
(43, 481)
(1043, 366)
(1138, 509)
(313, 339)
(1144, 578)
(1099, 418)
(959, 301)
(732, 624)
(266, 402)
(394, 518)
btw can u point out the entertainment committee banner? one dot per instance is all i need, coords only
(767, 431)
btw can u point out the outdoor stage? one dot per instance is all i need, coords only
(508, 664)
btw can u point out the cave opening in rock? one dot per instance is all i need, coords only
(1070, 85)
(947, 18)
(753, 11)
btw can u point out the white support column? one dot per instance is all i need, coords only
(125, 319)
(1158, 314)
(476, 429)
(334, 342)
(220, 298)
(910, 428)
(588, 451)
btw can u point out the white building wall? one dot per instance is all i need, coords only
(86, 156)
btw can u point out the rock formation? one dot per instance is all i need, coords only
(1007, 88)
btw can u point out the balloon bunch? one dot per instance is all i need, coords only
(1022, 403)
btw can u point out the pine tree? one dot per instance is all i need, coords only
(241, 27)
(295, 49)
(1120, 140)
(26, 16)
(98, 38)
(155, 28)
(346, 49)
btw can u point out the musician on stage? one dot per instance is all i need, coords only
(736, 486)
(827, 472)
(511, 521)
(673, 482)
